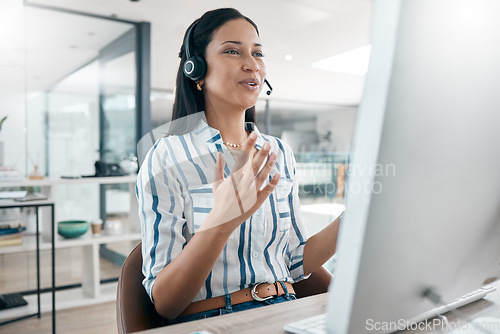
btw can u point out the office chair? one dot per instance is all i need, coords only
(136, 312)
(134, 309)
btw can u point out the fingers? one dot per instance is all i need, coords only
(247, 147)
(256, 170)
(251, 171)
(268, 189)
(263, 174)
(221, 163)
(259, 157)
(218, 171)
(236, 193)
(249, 144)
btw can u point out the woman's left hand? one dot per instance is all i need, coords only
(237, 197)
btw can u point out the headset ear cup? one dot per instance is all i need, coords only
(195, 68)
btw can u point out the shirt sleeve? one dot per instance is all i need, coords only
(161, 207)
(298, 232)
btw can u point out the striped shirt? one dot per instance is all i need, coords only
(174, 192)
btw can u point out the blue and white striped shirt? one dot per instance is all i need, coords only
(174, 191)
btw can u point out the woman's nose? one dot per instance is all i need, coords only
(250, 64)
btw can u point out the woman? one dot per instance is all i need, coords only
(218, 201)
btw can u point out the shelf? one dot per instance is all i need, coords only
(65, 299)
(57, 181)
(21, 311)
(29, 242)
(11, 203)
(91, 291)
(88, 239)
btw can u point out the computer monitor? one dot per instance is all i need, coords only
(423, 190)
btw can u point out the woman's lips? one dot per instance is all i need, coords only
(251, 84)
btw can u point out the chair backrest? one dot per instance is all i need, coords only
(134, 309)
(136, 312)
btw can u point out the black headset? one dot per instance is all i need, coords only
(195, 67)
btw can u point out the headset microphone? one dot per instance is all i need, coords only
(268, 85)
(195, 67)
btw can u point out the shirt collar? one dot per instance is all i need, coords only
(212, 136)
(214, 142)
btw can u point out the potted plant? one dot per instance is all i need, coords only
(1, 142)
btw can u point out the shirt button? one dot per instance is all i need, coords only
(258, 212)
(255, 254)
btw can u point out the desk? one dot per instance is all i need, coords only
(271, 319)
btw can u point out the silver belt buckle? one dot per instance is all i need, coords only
(254, 293)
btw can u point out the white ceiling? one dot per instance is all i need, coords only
(309, 30)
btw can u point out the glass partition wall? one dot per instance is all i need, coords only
(320, 137)
(89, 112)
(72, 87)
(85, 113)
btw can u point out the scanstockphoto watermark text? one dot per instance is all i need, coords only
(365, 178)
(436, 324)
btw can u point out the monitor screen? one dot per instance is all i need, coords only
(423, 193)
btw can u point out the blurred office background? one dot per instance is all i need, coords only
(83, 80)
(69, 77)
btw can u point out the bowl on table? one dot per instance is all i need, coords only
(72, 228)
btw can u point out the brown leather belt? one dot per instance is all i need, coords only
(258, 292)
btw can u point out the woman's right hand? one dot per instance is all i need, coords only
(237, 197)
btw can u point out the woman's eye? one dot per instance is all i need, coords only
(258, 54)
(233, 52)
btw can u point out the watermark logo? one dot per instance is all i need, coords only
(319, 179)
(435, 324)
(367, 178)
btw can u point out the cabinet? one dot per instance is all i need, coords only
(91, 290)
